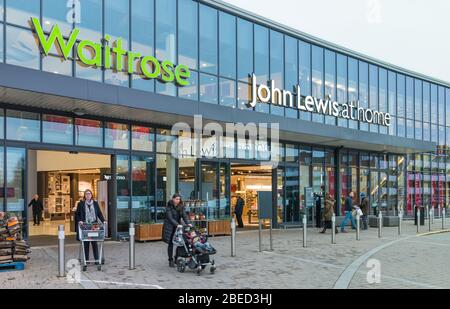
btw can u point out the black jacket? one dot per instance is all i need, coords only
(36, 206)
(239, 209)
(80, 214)
(173, 219)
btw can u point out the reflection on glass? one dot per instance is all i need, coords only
(166, 11)
(208, 89)
(57, 129)
(57, 65)
(208, 39)
(117, 136)
(15, 181)
(245, 50)
(55, 12)
(123, 194)
(227, 92)
(188, 33)
(341, 86)
(143, 197)
(186, 178)
(190, 92)
(166, 181)
(364, 90)
(164, 141)
(330, 81)
(19, 12)
(142, 138)
(88, 72)
(23, 126)
(2, 126)
(227, 45)
(21, 48)
(262, 60)
(277, 66)
(88, 132)
(2, 178)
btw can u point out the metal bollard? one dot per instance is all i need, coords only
(61, 252)
(439, 211)
(305, 227)
(380, 224)
(400, 221)
(233, 237)
(333, 229)
(432, 214)
(418, 220)
(358, 227)
(429, 221)
(260, 235)
(132, 248)
(443, 218)
(271, 237)
(427, 209)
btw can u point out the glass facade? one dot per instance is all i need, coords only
(223, 50)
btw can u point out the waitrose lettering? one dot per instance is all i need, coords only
(111, 55)
(352, 111)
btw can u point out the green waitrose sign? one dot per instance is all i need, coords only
(114, 58)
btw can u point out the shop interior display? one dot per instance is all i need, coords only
(12, 247)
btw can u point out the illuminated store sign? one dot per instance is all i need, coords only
(111, 55)
(351, 111)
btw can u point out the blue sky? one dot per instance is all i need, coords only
(413, 34)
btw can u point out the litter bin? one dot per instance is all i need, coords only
(422, 215)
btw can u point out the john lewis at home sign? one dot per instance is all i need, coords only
(111, 55)
(352, 111)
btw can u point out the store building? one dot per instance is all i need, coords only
(69, 121)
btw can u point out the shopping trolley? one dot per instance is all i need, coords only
(95, 232)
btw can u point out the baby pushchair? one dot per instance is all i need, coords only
(187, 256)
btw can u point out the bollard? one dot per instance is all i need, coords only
(358, 227)
(61, 252)
(432, 215)
(305, 227)
(333, 229)
(439, 211)
(260, 235)
(132, 248)
(418, 220)
(233, 237)
(271, 238)
(400, 221)
(380, 224)
(429, 221)
(427, 213)
(443, 218)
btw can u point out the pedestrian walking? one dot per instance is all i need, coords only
(348, 212)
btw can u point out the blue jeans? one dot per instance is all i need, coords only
(348, 216)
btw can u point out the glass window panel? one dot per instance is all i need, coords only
(166, 182)
(418, 130)
(227, 45)
(123, 193)
(57, 65)
(373, 93)
(401, 96)
(317, 78)
(208, 89)
(262, 60)
(353, 88)
(441, 106)
(88, 72)
(188, 33)
(164, 140)
(292, 153)
(401, 127)
(117, 135)
(291, 70)
(330, 81)
(426, 132)
(2, 178)
(277, 66)
(383, 95)
(15, 181)
(409, 98)
(447, 102)
(227, 92)
(304, 52)
(441, 137)
(88, 133)
(418, 107)
(19, 12)
(392, 96)
(23, 126)
(190, 92)
(2, 125)
(410, 128)
(426, 102)
(55, 12)
(117, 26)
(21, 48)
(140, 83)
(142, 138)
(244, 95)
(434, 133)
(57, 129)
(166, 32)
(342, 85)
(1, 19)
(434, 104)
(2, 54)
(245, 50)
(208, 39)
(166, 88)
(143, 196)
(363, 90)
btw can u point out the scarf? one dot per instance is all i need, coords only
(91, 216)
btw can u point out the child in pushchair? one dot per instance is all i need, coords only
(193, 250)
